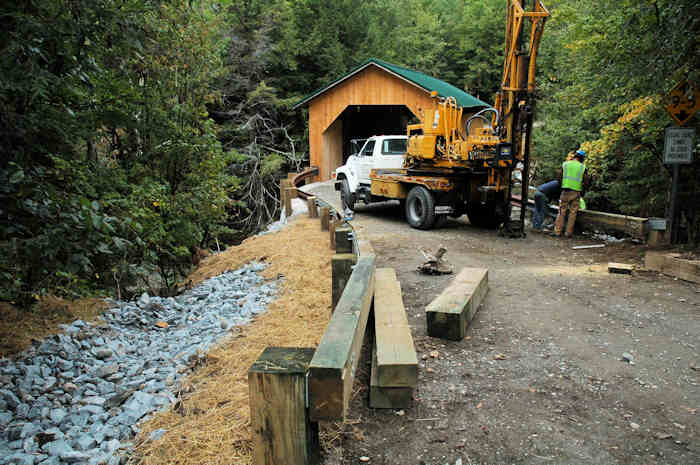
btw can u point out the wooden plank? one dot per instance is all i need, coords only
(449, 315)
(281, 429)
(591, 219)
(687, 270)
(365, 248)
(386, 274)
(620, 268)
(672, 265)
(632, 225)
(655, 261)
(341, 269)
(333, 368)
(386, 397)
(397, 363)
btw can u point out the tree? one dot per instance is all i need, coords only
(112, 167)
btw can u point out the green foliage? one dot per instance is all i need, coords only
(604, 70)
(113, 170)
(134, 131)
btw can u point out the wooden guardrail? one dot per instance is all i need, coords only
(330, 373)
(633, 226)
(334, 365)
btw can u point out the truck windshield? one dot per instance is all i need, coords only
(394, 146)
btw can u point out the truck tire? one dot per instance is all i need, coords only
(420, 208)
(488, 215)
(346, 197)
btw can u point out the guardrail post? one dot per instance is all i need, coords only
(334, 224)
(287, 193)
(343, 240)
(325, 214)
(282, 430)
(313, 209)
(341, 269)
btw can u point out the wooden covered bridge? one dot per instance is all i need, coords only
(373, 99)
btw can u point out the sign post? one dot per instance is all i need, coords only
(678, 150)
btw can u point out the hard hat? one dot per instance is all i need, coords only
(581, 153)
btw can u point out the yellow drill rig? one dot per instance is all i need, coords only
(459, 162)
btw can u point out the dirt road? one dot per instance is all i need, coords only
(540, 378)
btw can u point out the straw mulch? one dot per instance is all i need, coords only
(210, 423)
(18, 328)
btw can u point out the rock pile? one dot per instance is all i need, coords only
(77, 397)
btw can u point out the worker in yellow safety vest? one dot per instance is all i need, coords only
(573, 179)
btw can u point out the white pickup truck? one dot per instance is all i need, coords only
(378, 152)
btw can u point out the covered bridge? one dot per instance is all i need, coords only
(373, 99)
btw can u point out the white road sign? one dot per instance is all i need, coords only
(678, 145)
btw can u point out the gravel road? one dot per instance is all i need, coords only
(541, 377)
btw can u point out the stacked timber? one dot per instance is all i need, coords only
(394, 361)
(673, 264)
(449, 315)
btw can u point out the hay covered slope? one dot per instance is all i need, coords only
(211, 423)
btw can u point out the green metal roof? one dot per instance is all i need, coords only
(427, 83)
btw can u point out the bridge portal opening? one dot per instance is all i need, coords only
(358, 122)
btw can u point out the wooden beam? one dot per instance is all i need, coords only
(620, 268)
(397, 363)
(386, 397)
(364, 247)
(449, 315)
(672, 264)
(610, 222)
(341, 269)
(282, 430)
(333, 368)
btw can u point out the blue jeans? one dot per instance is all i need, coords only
(541, 201)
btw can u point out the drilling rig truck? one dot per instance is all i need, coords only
(457, 161)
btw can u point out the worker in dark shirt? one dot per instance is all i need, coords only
(545, 194)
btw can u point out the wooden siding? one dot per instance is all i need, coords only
(372, 86)
(332, 149)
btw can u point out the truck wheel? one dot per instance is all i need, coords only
(346, 197)
(488, 216)
(420, 208)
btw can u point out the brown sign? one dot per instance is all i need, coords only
(683, 102)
